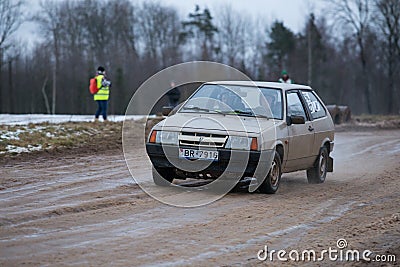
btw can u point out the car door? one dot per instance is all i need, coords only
(321, 122)
(301, 136)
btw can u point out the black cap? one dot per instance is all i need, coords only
(101, 69)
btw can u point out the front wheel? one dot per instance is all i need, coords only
(317, 174)
(163, 177)
(271, 183)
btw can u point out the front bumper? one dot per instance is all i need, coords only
(230, 161)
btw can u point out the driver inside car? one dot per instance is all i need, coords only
(268, 106)
(231, 102)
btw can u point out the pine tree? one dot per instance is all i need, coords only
(200, 28)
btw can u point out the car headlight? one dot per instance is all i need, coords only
(238, 142)
(167, 137)
(242, 143)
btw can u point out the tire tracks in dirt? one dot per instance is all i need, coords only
(75, 211)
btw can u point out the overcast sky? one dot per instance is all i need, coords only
(291, 12)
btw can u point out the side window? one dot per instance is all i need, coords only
(294, 106)
(314, 105)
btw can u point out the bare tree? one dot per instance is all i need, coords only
(159, 30)
(98, 20)
(10, 20)
(256, 48)
(389, 23)
(356, 15)
(233, 35)
(170, 42)
(51, 21)
(125, 23)
(149, 28)
(10, 17)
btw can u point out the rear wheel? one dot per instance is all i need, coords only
(271, 183)
(317, 174)
(163, 177)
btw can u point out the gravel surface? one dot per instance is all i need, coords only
(77, 208)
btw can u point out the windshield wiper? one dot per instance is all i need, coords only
(246, 113)
(205, 110)
(197, 108)
(263, 116)
(232, 112)
(242, 112)
(235, 112)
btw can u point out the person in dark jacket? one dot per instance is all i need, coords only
(173, 95)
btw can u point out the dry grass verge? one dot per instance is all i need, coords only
(17, 140)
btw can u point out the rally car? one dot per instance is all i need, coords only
(257, 130)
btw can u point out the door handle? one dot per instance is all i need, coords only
(310, 128)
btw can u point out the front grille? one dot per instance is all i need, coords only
(202, 139)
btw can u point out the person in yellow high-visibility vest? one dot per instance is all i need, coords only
(102, 96)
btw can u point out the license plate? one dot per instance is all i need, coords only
(198, 154)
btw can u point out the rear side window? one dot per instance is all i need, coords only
(294, 106)
(314, 105)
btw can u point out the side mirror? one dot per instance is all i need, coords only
(295, 120)
(166, 110)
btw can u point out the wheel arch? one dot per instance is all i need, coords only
(281, 150)
(326, 143)
(329, 147)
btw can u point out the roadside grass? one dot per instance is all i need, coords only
(15, 139)
(368, 118)
(100, 136)
(377, 121)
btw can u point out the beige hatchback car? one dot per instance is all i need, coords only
(254, 130)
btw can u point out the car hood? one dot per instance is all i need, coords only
(216, 122)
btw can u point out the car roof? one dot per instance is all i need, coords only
(278, 85)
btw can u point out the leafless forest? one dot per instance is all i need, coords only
(350, 54)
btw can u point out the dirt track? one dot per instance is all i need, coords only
(75, 211)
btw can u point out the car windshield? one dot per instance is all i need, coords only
(236, 100)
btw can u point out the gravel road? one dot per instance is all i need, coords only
(87, 210)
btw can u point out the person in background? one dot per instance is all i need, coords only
(102, 96)
(173, 95)
(285, 77)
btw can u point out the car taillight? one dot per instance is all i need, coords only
(153, 136)
(254, 144)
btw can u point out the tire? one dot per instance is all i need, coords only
(271, 183)
(163, 177)
(317, 174)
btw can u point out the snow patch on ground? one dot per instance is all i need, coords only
(18, 149)
(14, 135)
(23, 119)
(50, 135)
(10, 135)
